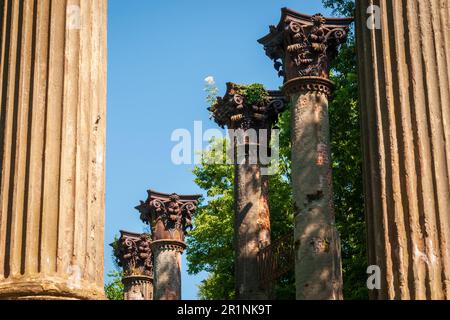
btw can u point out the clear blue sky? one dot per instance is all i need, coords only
(160, 52)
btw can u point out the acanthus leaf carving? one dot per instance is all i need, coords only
(304, 46)
(312, 48)
(171, 212)
(133, 254)
(235, 112)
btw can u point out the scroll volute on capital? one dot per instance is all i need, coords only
(304, 46)
(168, 215)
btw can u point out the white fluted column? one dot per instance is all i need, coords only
(52, 148)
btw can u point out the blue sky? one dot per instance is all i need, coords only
(159, 53)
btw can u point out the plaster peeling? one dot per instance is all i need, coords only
(433, 257)
(74, 280)
(420, 255)
(99, 157)
(320, 245)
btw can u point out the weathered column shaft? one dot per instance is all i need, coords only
(249, 123)
(318, 265)
(303, 48)
(405, 109)
(252, 225)
(167, 266)
(52, 146)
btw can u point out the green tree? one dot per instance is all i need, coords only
(114, 289)
(210, 244)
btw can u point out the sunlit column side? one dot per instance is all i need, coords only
(404, 57)
(52, 148)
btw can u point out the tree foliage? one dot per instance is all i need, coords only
(114, 288)
(210, 244)
(341, 7)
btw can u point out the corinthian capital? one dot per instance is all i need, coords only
(133, 253)
(303, 45)
(238, 111)
(169, 215)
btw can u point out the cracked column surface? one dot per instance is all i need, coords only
(302, 47)
(52, 148)
(133, 253)
(251, 184)
(405, 111)
(169, 216)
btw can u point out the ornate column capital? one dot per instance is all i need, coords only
(235, 111)
(304, 46)
(134, 255)
(168, 215)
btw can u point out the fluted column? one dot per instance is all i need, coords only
(405, 110)
(52, 146)
(303, 47)
(249, 126)
(134, 255)
(169, 216)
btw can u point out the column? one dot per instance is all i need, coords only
(52, 148)
(169, 217)
(249, 123)
(404, 58)
(134, 255)
(303, 47)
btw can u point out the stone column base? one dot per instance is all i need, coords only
(51, 288)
